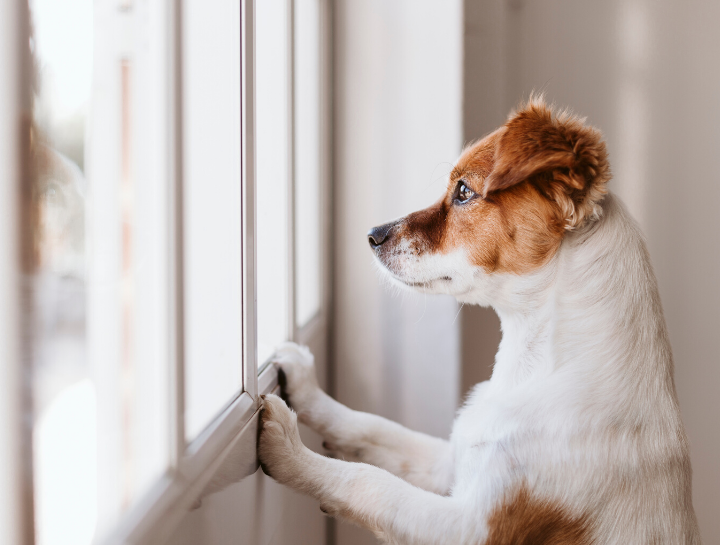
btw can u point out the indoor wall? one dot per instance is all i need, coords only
(398, 95)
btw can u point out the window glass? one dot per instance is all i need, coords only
(212, 209)
(307, 160)
(273, 173)
(100, 324)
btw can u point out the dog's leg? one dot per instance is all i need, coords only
(426, 462)
(393, 509)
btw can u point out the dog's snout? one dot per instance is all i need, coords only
(379, 235)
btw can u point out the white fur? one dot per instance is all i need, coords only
(581, 407)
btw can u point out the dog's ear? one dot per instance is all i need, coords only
(558, 152)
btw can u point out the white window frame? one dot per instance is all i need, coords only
(229, 441)
(231, 436)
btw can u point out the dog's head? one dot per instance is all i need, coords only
(510, 199)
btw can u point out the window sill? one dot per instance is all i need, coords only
(223, 454)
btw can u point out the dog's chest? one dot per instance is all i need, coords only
(486, 436)
(501, 438)
(487, 417)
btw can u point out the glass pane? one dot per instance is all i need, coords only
(273, 173)
(212, 210)
(307, 159)
(100, 306)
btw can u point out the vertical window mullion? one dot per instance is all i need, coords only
(175, 235)
(292, 287)
(247, 85)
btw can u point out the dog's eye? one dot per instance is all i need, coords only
(463, 193)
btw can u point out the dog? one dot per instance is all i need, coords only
(577, 437)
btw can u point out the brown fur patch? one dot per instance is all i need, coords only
(524, 520)
(537, 176)
(557, 151)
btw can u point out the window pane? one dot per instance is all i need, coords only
(212, 210)
(307, 159)
(100, 220)
(273, 173)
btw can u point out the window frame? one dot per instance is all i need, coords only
(232, 433)
(230, 438)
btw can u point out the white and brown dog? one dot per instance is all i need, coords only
(577, 437)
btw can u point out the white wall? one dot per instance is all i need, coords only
(645, 72)
(397, 133)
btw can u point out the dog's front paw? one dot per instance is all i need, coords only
(280, 449)
(298, 380)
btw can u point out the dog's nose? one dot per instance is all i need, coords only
(378, 235)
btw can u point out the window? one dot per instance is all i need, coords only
(212, 210)
(175, 238)
(274, 173)
(307, 138)
(288, 59)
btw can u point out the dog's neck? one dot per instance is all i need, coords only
(528, 318)
(594, 306)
